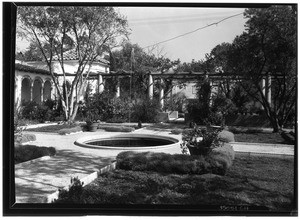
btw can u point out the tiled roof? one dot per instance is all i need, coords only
(73, 55)
(31, 69)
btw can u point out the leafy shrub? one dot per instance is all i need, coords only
(29, 152)
(199, 141)
(195, 112)
(46, 111)
(145, 111)
(73, 195)
(70, 130)
(177, 163)
(176, 102)
(226, 136)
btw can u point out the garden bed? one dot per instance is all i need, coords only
(251, 181)
(54, 128)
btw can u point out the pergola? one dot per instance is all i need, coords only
(266, 80)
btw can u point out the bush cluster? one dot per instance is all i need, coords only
(217, 163)
(29, 152)
(118, 110)
(49, 110)
(145, 111)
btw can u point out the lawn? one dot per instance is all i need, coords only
(251, 181)
(271, 138)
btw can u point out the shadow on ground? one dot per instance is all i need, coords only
(34, 181)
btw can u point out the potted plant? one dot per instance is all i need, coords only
(91, 116)
(199, 141)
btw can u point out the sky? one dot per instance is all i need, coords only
(151, 25)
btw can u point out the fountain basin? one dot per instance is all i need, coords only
(132, 142)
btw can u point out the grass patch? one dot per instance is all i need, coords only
(29, 152)
(53, 128)
(251, 181)
(271, 138)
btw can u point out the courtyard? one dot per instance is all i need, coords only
(105, 120)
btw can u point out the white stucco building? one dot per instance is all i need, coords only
(33, 81)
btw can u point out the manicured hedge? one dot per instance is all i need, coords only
(226, 136)
(29, 152)
(223, 156)
(217, 162)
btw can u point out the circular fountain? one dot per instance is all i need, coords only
(132, 142)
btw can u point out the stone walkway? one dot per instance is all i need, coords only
(37, 179)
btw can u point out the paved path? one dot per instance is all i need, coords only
(37, 179)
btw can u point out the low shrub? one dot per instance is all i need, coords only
(73, 194)
(223, 157)
(145, 111)
(69, 130)
(226, 136)
(116, 128)
(29, 152)
(177, 163)
(46, 111)
(199, 141)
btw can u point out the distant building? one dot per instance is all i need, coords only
(33, 81)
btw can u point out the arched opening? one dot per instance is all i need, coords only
(47, 91)
(37, 91)
(25, 90)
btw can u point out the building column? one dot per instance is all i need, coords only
(263, 88)
(100, 83)
(31, 89)
(268, 92)
(118, 88)
(42, 92)
(150, 87)
(161, 94)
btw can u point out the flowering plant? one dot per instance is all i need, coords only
(199, 141)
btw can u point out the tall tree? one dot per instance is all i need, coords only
(91, 29)
(217, 62)
(133, 58)
(268, 48)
